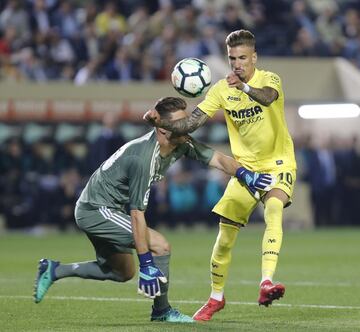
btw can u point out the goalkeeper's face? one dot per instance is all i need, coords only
(175, 139)
(242, 60)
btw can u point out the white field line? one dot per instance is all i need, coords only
(118, 299)
(184, 282)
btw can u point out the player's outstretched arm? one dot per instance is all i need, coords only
(265, 95)
(150, 275)
(179, 127)
(252, 180)
(224, 163)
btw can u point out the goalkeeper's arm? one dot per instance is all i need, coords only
(254, 181)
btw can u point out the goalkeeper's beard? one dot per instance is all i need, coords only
(175, 139)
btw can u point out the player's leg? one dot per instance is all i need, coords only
(234, 208)
(219, 266)
(162, 310)
(112, 243)
(274, 201)
(50, 271)
(118, 267)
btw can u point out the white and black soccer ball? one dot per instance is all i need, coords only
(191, 77)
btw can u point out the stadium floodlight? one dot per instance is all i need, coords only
(329, 111)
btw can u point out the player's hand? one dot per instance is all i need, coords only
(149, 277)
(234, 81)
(153, 117)
(255, 181)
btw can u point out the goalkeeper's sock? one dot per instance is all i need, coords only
(161, 302)
(221, 255)
(272, 239)
(86, 270)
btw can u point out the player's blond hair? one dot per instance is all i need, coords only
(239, 38)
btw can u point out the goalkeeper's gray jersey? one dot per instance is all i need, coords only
(125, 178)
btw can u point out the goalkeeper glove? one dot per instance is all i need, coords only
(149, 277)
(255, 181)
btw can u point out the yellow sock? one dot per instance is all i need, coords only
(221, 255)
(272, 237)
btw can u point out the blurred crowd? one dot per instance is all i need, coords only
(331, 167)
(41, 177)
(122, 40)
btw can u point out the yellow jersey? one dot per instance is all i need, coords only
(259, 137)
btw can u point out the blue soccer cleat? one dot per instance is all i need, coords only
(45, 278)
(172, 316)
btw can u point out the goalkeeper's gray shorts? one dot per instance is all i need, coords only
(109, 230)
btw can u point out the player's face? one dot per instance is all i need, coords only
(175, 139)
(242, 60)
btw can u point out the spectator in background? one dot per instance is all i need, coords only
(183, 196)
(30, 67)
(164, 16)
(139, 20)
(92, 43)
(169, 61)
(16, 198)
(188, 45)
(351, 24)
(71, 154)
(300, 16)
(231, 19)
(87, 14)
(214, 189)
(306, 45)
(351, 30)
(61, 51)
(40, 18)
(351, 185)
(123, 67)
(15, 16)
(321, 175)
(162, 45)
(158, 211)
(209, 44)
(87, 73)
(108, 142)
(65, 20)
(110, 19)
(207, 16)
(329, 29)
(186, 18)
(67, 194)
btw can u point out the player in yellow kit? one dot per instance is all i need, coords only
(253, 105)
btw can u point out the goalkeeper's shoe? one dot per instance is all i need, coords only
(45, 278)
(171, 316)
(270, 292)
(206, 312)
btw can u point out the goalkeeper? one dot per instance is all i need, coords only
(253, 104)
(125, 179)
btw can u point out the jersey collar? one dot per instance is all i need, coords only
(254, 77)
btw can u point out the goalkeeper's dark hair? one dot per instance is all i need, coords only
(239, 38)
(166, 106)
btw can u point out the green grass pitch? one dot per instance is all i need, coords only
(321, 271)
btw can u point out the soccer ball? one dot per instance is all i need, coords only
(191, 77)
